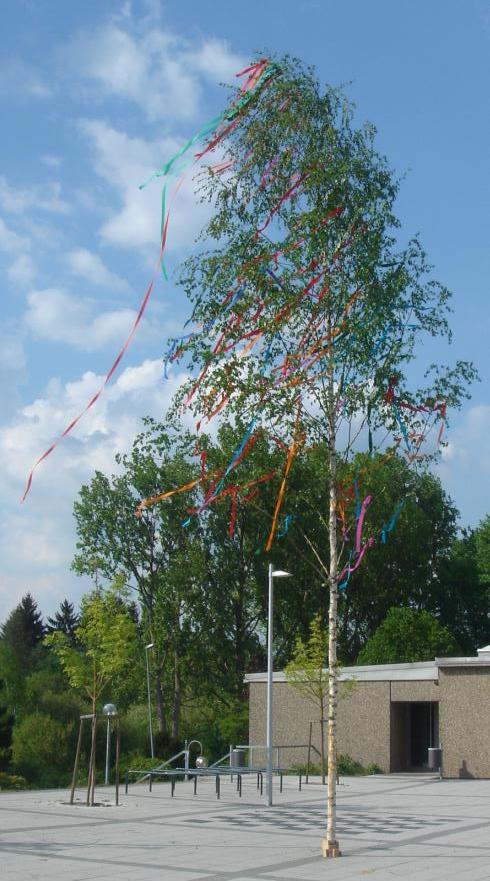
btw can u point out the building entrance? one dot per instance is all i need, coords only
(414, 728)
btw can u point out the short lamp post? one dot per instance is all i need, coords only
(277, 573)
(150, 723)
(109, 710)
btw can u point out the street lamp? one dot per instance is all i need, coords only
(109, 710)
(277, 573)
(147, 647)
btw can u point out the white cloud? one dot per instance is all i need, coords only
(151, 67)
(52, 161)
(21, 269)
(19, 79)
(11, 241)
(124, 163)
(44, 197)
(89, 266)
(215, 59)
(54, 314)
(464, 467)
(37, 540)
(13, 364)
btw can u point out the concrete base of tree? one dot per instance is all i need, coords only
(330, 849)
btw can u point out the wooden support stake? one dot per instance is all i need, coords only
(77, 761)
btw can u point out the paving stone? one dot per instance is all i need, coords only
(388, 827)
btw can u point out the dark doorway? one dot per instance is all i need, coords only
(414, 728)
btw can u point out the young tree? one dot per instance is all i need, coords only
(309, 311)
(308, 673)
(104, 650)
(406, 636)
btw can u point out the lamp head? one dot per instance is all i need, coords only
(279, 573)
(149, 646)
(109, 710)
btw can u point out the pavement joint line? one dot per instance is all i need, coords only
(387, 830)
(105, 862)
(428, 836)
(96, 818)
(246, 815)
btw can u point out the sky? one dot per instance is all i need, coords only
(93, 98)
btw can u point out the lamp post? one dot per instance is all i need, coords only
(109, 710)
(277, 573)
(147, 648)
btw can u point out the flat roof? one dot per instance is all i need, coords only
(418, 671)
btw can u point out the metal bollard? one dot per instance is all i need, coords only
(126, 783)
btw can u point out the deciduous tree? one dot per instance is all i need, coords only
(406, 636)
(302, 273)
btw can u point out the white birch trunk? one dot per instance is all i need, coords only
(330, 846)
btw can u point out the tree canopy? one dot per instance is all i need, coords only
(406, 636)
(309, 311)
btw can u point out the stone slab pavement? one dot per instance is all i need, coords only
(390, 827)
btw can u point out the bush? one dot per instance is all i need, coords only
(40, 750)
(135, 735)
(216, 724)
(346, 767)
(12, 781)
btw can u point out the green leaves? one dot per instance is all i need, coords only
(406, 636)
(105, 644)
(482, 539)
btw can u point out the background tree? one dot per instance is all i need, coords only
(65, 619)
(406, 636)
(152, 552)
(409, 563)
(482, 543)
(332, 307)
(21, 648)
(6, 727)
(461, 601)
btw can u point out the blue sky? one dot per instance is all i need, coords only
(93, 97)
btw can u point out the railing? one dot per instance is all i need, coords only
(253, 747)
(183, 752)
(227, 758)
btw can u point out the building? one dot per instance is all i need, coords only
(390, 718)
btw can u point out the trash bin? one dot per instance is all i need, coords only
(238, 758)
(435, 758)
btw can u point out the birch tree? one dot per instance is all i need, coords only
(308, 311)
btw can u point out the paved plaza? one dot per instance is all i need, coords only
(389, 827)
